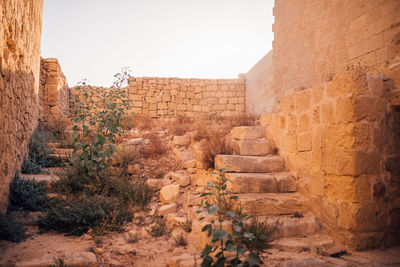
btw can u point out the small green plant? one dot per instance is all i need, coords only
(38, 154)
(10, 230)
(158, 229)
(180, 241)
(217, 202)
(187, 225)
(27, 195)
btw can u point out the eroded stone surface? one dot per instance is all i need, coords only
(169, 193)
(237, 163)
(247, 132)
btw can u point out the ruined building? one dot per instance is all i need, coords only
(328, 95)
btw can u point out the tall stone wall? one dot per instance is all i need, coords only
(260, 76)
(336, 138)
(20, 34)
(165, 98)
(54, 91)
(316, 40)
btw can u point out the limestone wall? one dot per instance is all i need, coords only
(20, 34)
(168, 97)
(54, 91)
(336, 138)
(316, 40)
(259, 95)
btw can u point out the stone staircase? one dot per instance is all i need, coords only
(267, 191)
(58, 152)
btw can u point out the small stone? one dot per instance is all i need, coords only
(191, 170)
(189, 164)
(181, 177)
(173, 220)
(170, 208)
(98, 250)
(169, 193)
(86, 236)
(81, 259)
(183, 140)
(333, 251)
(154, 184)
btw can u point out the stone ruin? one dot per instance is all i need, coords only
(328, 96)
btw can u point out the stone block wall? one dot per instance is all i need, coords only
(20, 35)
(342, 140)
(54, 91)
(316, 40)
(165, 98)
(259, 97)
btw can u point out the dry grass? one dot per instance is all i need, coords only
(180, 125)
(155, 148)
(142, 122)
(215, 131)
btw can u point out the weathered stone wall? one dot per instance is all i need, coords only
(336, 138)
(54, 91)
(20, 34)
(316, 40)
(168, 97)
(259, 96)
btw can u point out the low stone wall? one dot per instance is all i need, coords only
(165, 98)
(53, 92)
(342, 139)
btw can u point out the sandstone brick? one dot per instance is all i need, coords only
(166, 209)
(252, 147)
(304, 142)
(235, 163)
(169, 193)
(181, 177)
(247, 133)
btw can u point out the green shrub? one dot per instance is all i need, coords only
(77, 182)
(27, 195)
(262, 234)
(38, 154)
(10, 230)
(78, 216)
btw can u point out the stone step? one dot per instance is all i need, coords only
(40, 177)
(238, 163)
(54, 145)
(59, 157)
(62, 151)
(292, 226)
(280, 182)
(247, 133)
(264, 204)
(259, 147)
(312, 243)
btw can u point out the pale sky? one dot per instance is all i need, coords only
(94, 39)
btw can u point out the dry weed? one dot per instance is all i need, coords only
(155, 148)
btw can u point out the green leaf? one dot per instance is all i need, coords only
(231, 213)
(237, 228)
(219, 234)
(253, 258)
(209, 185)
(213, 209)
(206, 227)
